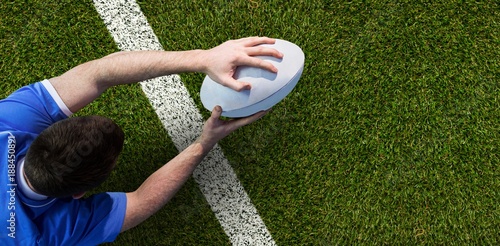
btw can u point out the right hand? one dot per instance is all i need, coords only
(216, 129)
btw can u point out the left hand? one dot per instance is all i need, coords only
(222, 61)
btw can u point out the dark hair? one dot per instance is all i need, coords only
(73, 155)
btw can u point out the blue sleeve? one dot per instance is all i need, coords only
(91, 221)
(32, 108)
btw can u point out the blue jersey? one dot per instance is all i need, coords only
(25, 220)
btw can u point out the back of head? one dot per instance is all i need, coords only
(73, 155)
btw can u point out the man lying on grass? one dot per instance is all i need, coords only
(48, 161)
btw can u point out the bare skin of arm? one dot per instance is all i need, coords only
(84, 83)
(162, 185)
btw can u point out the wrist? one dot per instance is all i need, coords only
(205, 144)
(199, 60)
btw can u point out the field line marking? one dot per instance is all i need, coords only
(183, 122)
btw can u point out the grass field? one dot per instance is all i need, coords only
(390, 137)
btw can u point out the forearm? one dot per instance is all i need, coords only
(133, 66)
(84, 83)
(162, 185)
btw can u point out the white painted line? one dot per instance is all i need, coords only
(181, 118)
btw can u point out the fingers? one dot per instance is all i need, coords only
(216, 129)
(235, 84)
(227, 57)
(253, 41)
(256, 50)
(253, 48)
(259, 63)
(264, 51)
(217, 112)
(247, 120)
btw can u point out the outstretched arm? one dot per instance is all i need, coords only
(84, 83)
(162, 185)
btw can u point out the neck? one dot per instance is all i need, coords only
(24, 185)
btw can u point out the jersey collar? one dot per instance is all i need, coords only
(23, 184)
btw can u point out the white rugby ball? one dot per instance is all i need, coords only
(268, 88)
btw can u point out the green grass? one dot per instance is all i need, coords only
(390, 137)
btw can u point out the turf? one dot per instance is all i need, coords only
(390, 137)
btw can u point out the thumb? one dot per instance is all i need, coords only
(216, 112)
